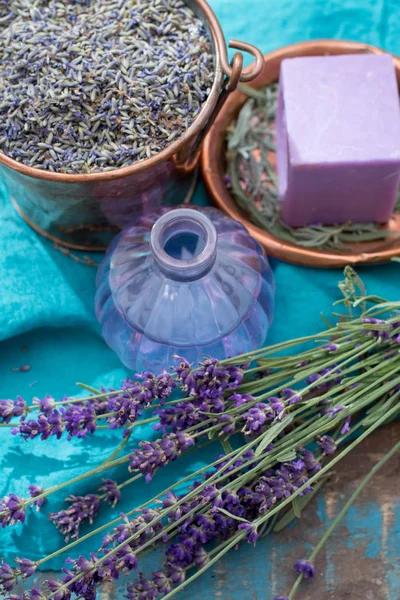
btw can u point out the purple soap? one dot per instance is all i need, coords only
(338, 139)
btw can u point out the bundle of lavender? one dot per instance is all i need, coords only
(282, 418)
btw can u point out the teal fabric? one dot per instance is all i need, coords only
(46, 298)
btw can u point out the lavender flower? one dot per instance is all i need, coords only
(240, 399)
(327, 444)
(81, 509)
(281, 598)
(162, 582)
(179, 417)
(185, 375)
(58, 590)
(176, 574)
(373, 321)
(193, 533)
(46, 405)
(164, 385)
(305, 568)
(291, 395)
(272, 487)
(324, 375)
(35, 594)
(228, 425)
(90, 573)
(32, 594)
(331, 347)
(153, 455)
(201, 557)
(142, 589)
(8, 579)
(331, 412)
(127, 410)
(181, 554)
(277, 405)
(206, 387)
(184, 415)
(29, 429)
(79, 420)
(111, 491)
(139, 525)
(346, 426)
(56, 425)
(12, 408)
(137, 395)
(27, 567)
(311, 463)
(252, 535)
(99, 405)
(210, 380)
(43, 427)
(35, 491)
(378, 333)
(256, 417)
(205, 526)
(12, 510)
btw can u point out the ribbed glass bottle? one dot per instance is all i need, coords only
(186, 281)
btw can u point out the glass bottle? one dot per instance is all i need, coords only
(186, 281)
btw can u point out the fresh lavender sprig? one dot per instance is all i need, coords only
(84, 509)
(79, 418)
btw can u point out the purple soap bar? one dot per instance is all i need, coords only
(338, 139)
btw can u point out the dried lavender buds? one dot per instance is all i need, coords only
(97, 85)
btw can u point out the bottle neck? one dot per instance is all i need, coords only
(184, 244)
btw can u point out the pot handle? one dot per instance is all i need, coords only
(234, 71)
(234, 75)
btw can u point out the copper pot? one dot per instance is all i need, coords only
(84, 211)
(214, 168)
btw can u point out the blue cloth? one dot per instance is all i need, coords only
(46, 299)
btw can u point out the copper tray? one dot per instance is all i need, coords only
(213, 168)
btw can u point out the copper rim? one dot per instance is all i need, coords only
(213, 167)
(222, 68)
